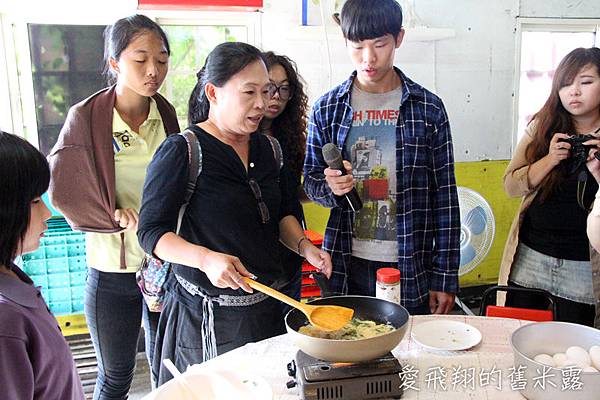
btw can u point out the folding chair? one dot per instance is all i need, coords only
(489, 309)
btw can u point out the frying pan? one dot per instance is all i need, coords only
(366, 308)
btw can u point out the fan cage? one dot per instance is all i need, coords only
(468, 200)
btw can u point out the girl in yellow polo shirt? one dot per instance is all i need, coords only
(98, 169)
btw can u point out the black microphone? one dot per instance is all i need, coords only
(333, 158)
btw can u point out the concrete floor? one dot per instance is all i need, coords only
(141, 380)
(85, 360)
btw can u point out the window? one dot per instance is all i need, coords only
(190, 46)
(58, 65)
(192, 35)
(543, 44)
(66, 67)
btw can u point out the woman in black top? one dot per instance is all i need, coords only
(231, 227)
(548, 247)
(285, 120)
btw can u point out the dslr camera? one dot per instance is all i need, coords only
(579, 151)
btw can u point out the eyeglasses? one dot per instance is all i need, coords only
(284, 91)
(263, 210)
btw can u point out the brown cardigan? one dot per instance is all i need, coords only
(82, 163)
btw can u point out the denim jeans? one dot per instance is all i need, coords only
(362, 275)
(113, 308)
(568, 279)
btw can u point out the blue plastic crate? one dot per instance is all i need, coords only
(59, 267)
(35, 267)
(60, 307)
(77, 278)
(58, 281)
(77, 264)
(77, 306)
(77, 293)
(59, 295)
(40, 280)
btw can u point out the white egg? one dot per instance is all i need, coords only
(589, 369)
(579, 355)
(570, 363)
(559, 359)
(595, 356)
(544, 359)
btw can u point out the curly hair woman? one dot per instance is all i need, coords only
(285, 119)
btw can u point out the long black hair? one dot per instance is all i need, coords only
(223, 62)
(118, 36)
(553, 117)
(25, 176)
(289, 128)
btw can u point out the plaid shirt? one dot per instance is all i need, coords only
(427, 216)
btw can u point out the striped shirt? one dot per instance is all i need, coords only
(427, 212)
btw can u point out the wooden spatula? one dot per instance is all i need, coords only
(327, 318)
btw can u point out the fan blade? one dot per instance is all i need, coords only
(467, 254)
(476, 220)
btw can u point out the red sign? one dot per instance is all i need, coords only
(247, 5)
(376, 189)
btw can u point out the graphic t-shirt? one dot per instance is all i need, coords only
(371, 144)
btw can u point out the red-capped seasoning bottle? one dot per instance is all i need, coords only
(388, 284)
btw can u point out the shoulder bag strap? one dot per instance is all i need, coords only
(195, 168)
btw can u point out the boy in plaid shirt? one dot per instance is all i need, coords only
(397, 139)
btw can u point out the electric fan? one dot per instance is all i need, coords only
(476, 229)
(476, 233)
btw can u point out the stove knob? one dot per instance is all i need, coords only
(291, 367)
(291, 383)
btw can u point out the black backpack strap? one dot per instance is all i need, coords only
(277, 152)
(195, 168)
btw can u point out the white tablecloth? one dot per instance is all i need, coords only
(483, 372)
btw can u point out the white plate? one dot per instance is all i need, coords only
(446, 335)
(211, 384)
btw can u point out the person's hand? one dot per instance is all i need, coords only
(338, 183)
(441, 302)
(593, 164)
(225, 271)
(127, 218)
(320, 259)
(558, 151)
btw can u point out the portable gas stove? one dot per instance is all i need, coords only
(323, 380)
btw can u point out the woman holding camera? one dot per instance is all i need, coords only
(547, 247)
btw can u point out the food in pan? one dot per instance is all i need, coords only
(353, 330)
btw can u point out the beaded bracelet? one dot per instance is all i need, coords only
(299, 243)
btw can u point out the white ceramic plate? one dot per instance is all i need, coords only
(209, 384)
(446, 335)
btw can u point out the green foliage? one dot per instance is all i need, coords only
(190, 46)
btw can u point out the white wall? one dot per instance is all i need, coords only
(79, 12)
(472, 72)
